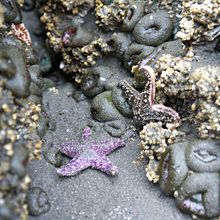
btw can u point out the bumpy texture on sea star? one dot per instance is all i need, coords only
(21, 32)
(89, 154)
(144, 108)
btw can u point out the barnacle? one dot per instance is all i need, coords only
(197, 88)
(20, 143)
(207, 105)
(67, 35)
(77, 60)
(154, 142)
(197, 18)
(109, 15)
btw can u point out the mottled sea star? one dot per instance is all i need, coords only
(144, 108)
(89, 154)
(21, 32)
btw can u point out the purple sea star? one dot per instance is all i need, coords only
(144, 108)
(89, 154)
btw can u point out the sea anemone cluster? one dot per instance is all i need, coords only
(189, 171)
(156, 139)
(182, 160)
(198, 20)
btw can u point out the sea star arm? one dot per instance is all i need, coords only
(131, 94)
(73, 167)
(106, 147)
(105, 165)
(70, 149)
(150, 88)
(169, 111)
(86, 133)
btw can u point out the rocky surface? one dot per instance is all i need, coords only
(92, 194)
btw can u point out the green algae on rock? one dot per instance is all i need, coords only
(120, 102)
(111, 107)
(103, 109)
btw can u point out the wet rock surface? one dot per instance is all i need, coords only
(68, 111)
(92, 194)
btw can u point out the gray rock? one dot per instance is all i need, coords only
(120, 42)
(48, 83)
(35, 75)
(35, 99)
(135, 53)
(174, 48)
(115, 128)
